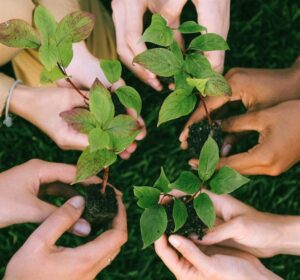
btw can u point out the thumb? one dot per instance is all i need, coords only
(59, 221)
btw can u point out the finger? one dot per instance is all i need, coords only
(189, 251)
(109, 241)
(141, 122)
(76, 141)
(132, 148)
(59, 222)
(125, 155)
(168, 255)
(247, 122)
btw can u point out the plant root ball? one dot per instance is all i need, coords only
(198, 134)
(193, 224)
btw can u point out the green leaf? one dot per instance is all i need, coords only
(162, 182)
(75, 27)
(180, 214)
(176, 50)
(122, 130)
(181, 83)
(153, 224)
(147, 196)
(208, 160)
(17, 33)
(101, 104)
(227, 180)
(209, 42)
(79, 119)
(65, 52)
(197, 65)
(179, 103)
(205, 209)
(112, 69)
(99, 139)
(48, 54)
(91, 163)
(159, 61)
(45, 23)
(191, 27)
(158, 32)
(187, 182)
(217, 86)
(200, 84)
(55, 74)
(130, 98)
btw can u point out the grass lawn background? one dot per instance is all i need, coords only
(263, 34)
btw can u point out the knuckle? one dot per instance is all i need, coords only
(268, 160)
(34, 162)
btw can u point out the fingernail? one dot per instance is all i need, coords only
(77, 202)
(155, 84)
(82, 228)
(226, 149)
(174, 240)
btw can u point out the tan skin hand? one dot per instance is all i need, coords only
(40, 258)
(278, 148)
(213, 14)
(187, 261)
(246, 229)
(256, 88)
(19, 188)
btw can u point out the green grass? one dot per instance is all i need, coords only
(263, 34)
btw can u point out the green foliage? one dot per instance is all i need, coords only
(112, 69)
(209, 42)
(199, 84)
(197, 64)
(191, 27)
(130, 98)
(147, 196)
(17, 33)
(186, 182)
(48, 77)
(158, 32)
(99, 139)
(227, 180)
(205, 209)
(162, 183)
(180, 214)
(179, 103)
(217, 86)
(159, 61)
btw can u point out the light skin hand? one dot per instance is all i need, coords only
(39, 256)
(246, 229)
(187, 261)
(256, 88)
(19, 188)
(277, 130)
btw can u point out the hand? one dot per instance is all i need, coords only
(214, 263)
(40, 258)
(246, 229)
(256, 88)
(19, 188)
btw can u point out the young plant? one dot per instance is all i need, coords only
(192, 73)
(108, 134)
(189, 213)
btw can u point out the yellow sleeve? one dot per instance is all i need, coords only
(5, 85)
(10, 9)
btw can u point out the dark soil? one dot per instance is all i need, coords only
(193, 224)
(100, 209)
(198, 134)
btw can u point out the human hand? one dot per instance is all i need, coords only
(40, 258)
(19, 188)
(214, 263)
(244, 228)
(256, 88)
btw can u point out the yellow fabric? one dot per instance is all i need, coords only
(5, 85)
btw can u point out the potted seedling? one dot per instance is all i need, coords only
(192, 213)
(109, 134)
(192, 74)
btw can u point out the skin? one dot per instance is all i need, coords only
(40, 258)
(19, 188)
(259, 90)
(213, 14)
(244, 228)
(186, 261)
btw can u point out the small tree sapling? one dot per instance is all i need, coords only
(108, 134)
(192, 212)
(192, 74)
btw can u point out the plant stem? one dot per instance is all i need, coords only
(105, 179)
(206, 110)
(194, 195)
(63, 71)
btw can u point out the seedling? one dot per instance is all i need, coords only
(190, 213)
(108, 134)
(191, 71)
